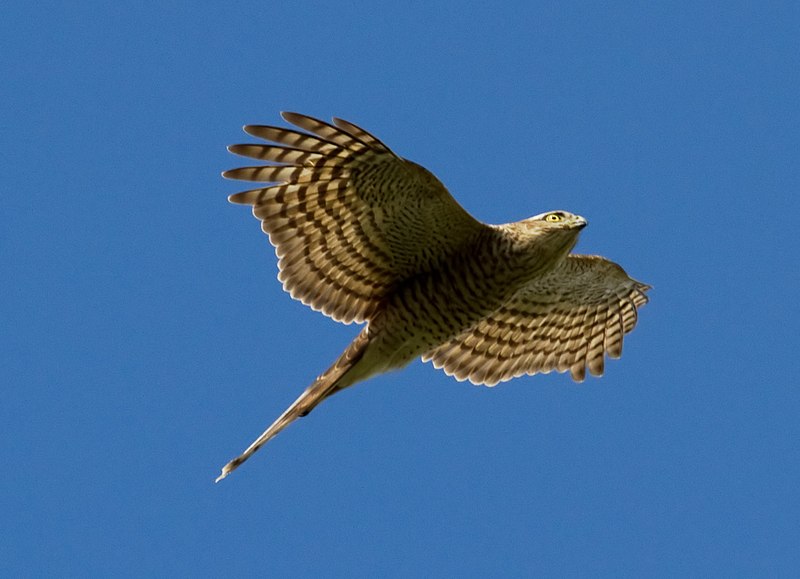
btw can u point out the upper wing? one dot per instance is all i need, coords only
(348, 218)
(566, 320)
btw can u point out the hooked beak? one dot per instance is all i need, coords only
(580, 222)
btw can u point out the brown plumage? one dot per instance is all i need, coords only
(366, 236)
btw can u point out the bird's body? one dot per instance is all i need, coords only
(434, 306)
(364, 235)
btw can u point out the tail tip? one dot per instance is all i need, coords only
(226, 470)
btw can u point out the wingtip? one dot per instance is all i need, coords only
(251, 130)
(237, 199)
(289, 115)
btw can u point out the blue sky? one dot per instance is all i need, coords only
(146, 340)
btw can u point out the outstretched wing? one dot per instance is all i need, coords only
(349, 219)
(568, 319)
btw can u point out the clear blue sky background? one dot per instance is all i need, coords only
(146, 341)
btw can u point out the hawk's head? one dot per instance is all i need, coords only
(552, 234)
(556, 220)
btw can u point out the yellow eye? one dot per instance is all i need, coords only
(553, 217)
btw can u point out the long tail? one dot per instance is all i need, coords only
(327, 384)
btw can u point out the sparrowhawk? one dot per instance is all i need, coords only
(365, 236)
